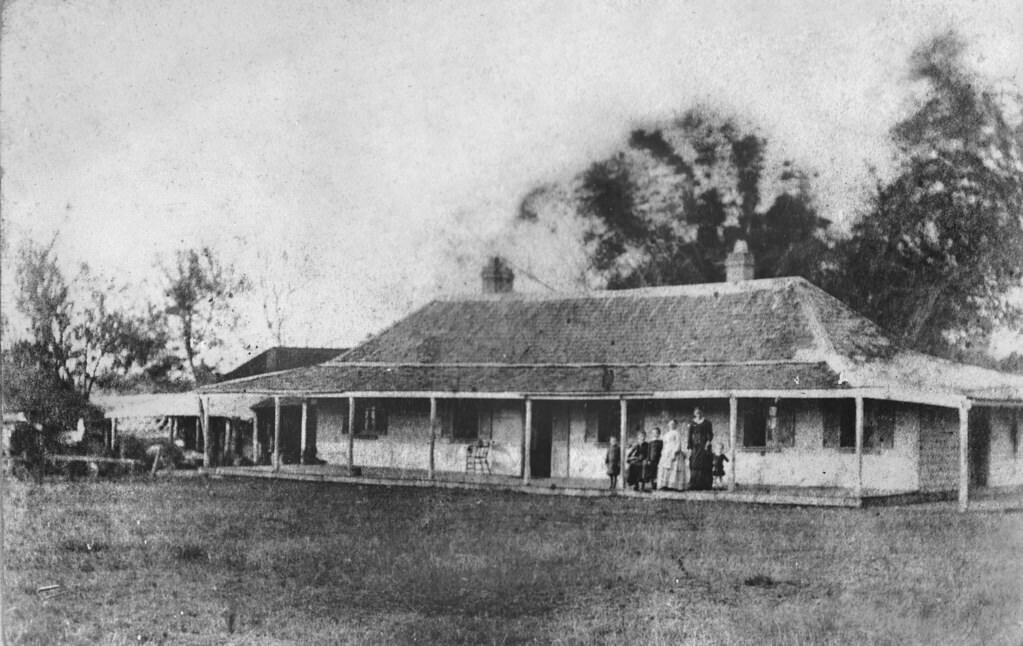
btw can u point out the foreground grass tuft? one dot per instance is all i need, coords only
(191, 561)
(189, 552)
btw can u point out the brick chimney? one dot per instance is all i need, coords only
(739, 264)
(498, 278)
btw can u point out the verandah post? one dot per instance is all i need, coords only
(733, 434)
(859, 447)
(527, 442)
(623, 432)
(207, 436)
(228, 448)
(351, 434)
(255, 438)
(305, 430)
(433, 434)
(277, 434)
(964, 461)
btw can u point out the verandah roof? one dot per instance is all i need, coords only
(172, 405)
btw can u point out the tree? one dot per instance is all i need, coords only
(935, 256)
(200, 292)
(31, 388)
(117, 347)
(668, 207)
(72, 339)
(280, 280)
(44, 300)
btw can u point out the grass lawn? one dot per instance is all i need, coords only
(176, 560)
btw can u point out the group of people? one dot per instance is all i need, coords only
(669, 461)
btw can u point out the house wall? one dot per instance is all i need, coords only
(939, 448)
(406, 445)
(919, 458)
(587, 457)
(561, 440)
(506, 448)
(331, 442)
(809, 464)
(1006, 457)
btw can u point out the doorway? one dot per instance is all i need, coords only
(542, 438)
(979, 446)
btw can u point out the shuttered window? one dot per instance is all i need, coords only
(839, 423)
(767, 423)
(602, 421)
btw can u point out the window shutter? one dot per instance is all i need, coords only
(592, 420)
(786, 432)
(832, 424)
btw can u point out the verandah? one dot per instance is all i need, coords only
(626, 405)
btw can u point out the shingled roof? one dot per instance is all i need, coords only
(763, 320)
(772, 334)
(282, 358)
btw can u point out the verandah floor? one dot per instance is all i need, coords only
(809, 496)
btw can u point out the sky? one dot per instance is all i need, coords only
(365, 156)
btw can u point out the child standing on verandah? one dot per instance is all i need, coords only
(613, 461)
(719, 466)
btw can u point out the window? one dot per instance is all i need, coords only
(602, 421)
(878, 425)
(370, 417)
(767, 423)
(754, 425)
(465, 420)
(839, 423)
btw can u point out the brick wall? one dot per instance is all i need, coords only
(1006, 458)
(939, 448)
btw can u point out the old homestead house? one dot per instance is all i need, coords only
(802, 392)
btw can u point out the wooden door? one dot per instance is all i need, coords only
(542, 436)
(979, 446)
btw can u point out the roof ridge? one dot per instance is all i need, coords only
(822, 338)
(690, 289)
(561, 364)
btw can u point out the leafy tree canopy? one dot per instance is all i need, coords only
(73, 339)
(935, 258)
(668, 207)
(940, 248)
(199, 292)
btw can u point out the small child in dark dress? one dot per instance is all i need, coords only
(719, 466)
(613, 461)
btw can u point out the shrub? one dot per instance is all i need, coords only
(132, 448)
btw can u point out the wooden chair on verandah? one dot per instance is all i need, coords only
(477, 457)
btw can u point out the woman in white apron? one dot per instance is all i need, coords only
(672, 472)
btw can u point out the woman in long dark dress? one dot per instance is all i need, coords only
(701, 459)
(635, 461)
(654, 449)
